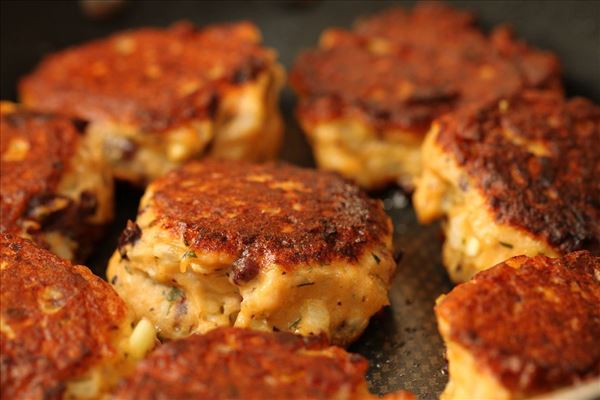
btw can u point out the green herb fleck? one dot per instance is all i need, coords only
(128, 269)
(295, 324)
(508, 245)
(306, 284)
(189, 254)
(376, 258)
(174, 294)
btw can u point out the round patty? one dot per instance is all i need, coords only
(377, 88)
(519, 177)
(271, 247)
(231, 363)
(158, 97)
(405, 68)
(60, 326)
(527, 326)
(55, 188)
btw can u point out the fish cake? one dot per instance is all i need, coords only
(55, 187)
(523, 328)
(272, 247)
(231, 363)
(519, 177)
(369, 95)
(64, 332)
(158, 97)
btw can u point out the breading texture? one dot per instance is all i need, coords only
(58, 321)
(52, 181)
(276, 213)
(399, 70)
(231, 363)
(536, 159)
(531, 325)
(271, 247)
(157, 97)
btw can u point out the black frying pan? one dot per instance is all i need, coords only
(401, 343)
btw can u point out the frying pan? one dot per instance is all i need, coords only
(401, 343)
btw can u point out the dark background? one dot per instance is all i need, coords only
(401, 344)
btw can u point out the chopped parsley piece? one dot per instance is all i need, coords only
(305, 284)
(189, 254)
(507, 245)
(174, 294)
(376, 258)
(295, 324)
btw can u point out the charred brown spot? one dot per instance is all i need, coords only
(213, 105)
(244, 269)
(15, 246)
(329, 231)
(248, 72)
(47, 208)
(130, 235)
(424, 94)
(80, 125)
(15, 313)
(88, 203)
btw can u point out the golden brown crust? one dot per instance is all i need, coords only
(35, 150)
(400, 70)
(237, 363)
(269, 213)
(535, 328)
(57, 320)
(536, 160)
(154, 79)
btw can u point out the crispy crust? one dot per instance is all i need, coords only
(153, 79)
(536, 160)
(400, 70)
(237, 363)
(261, 214)
(535, 328)
(57, 320)
(48, 143)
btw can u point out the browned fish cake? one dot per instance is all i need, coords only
(61, 327)
(368, 96)
(55, 188)
(271, 247)
(231, 363)
(158, 97)
(525, 327)
(520, 177)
